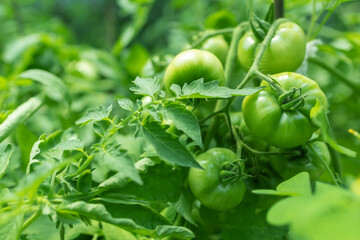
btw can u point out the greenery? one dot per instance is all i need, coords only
(95, 144)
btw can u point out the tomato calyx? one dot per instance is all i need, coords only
(259, 27)
(292, 100)
(230, 172)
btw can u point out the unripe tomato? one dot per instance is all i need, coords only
(218, 46)
(285, 52)
(267, 120)
(210, 184)
(288, 167)
(192, 65)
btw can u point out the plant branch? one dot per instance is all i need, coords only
(327, 168)
(279, 8)
(211, 34)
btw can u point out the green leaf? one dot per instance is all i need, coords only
(54, 87)
(19, 115)
(11, 230)
(162, 183)
(199, 89)
(94, 115)
(146, 86)
(248, 221)
(167, 147)
(330, 213)
(141, 214)
(184, 206)
(116, 159)
(184, 120)
(48, 150)
(112, 232)
(299, 185)
(100, 212)
(5, 154)
(126, 104)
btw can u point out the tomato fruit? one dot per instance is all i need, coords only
(285, 52)
(218, 46)
(288, 167)
(267, 120)
(219, 186)
(192, 65)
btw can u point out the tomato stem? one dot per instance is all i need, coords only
(324, 164)
(210, 34)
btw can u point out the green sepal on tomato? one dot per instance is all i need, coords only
(219, 185)
(192, 65)
(308, 161)
(285, 53)
(267, 120)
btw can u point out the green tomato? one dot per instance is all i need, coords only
(216, 186)
(192, 65)
(288, 167)
(285, 52)
(266, 119)
(218, 46)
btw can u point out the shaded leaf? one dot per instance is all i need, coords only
(167, 147)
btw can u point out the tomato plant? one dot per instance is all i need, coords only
(285, 52)
(269, 120)
(219, 185)
(90, 150)
(192, 65)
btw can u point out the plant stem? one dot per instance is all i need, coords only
(30, 220)
(336, 73)
(211, 115)
(279, 8)
(327, 168)
(319, 27)
(211, 34)
(83, 166)
(313, 20)
(19, 115)
(229, 69)
(254, 68)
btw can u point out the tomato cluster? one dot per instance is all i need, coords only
(277, 123)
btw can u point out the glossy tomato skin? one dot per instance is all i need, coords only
(192, 65)
(268, 121)
(218, 46)
(288, 167)
(206, 184)
(285, 52)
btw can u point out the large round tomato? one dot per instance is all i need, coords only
(308, 161)
(192, 65)
(218, 46)
(285, 52)
(219, 186)
(267, 120)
